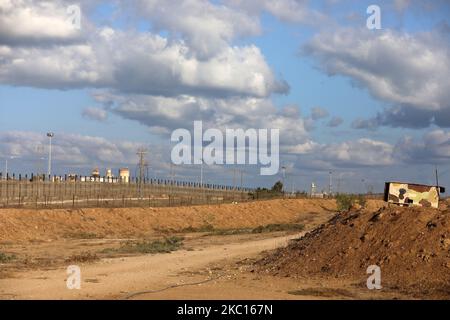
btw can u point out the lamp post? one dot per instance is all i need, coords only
(50, 135)
(6, 164)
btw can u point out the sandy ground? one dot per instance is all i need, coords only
(22, 225)
(217, 271)
(209, 266)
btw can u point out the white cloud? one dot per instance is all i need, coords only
(304, 148)
(362, 152)
(206, 27)
(164, 114)
(318, 113)
(140, 63)
(409, 71)
(432, 148)
(68, 149)
(94, 113)
(292, 11)
(35, 22)
(335, 122)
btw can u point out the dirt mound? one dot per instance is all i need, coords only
(24, 224)
(410, 245)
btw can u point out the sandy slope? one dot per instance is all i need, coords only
(24, 225)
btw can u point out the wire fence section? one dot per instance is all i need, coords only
(63, 192)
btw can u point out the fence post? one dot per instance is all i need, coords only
(20, 194)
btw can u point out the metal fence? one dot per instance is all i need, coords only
(76, 192)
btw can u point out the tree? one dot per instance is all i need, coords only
(278, 187)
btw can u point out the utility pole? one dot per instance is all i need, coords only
(50, 135)
(330, 185)
(284, 176)
(437, 176)
(142, 164)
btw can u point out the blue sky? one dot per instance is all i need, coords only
(371, 105)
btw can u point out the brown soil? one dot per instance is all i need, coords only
(410, 245)
(42, 225)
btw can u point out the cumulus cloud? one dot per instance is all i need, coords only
(304, 148)
(432, 148)
(69, 149)
(27, 22)
(207, 28)
(410, 72)
(165, 114)
(76, 151)
(94, 113)
(140, 63)
(132, 61)
(318, 113)
(292, 11)
(335, 122)
(362, 152)
(368, 124)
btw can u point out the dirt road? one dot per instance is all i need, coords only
(119, 277)
(209, 265)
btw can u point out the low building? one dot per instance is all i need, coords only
(412, 194)
(95, 173)
(124, 175)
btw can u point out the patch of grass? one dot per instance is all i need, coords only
(81, 235)
(82, 257)
(346, 201)
(279, 227)
(230, 232)
(5, 258)
(144, 247)
(274, 227)
(204, 228)
(322, 292)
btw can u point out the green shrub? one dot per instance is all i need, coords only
(362, 200)
(4, 258)
(157, 246)
(346, 201)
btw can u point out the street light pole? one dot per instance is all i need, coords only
(50, 136)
